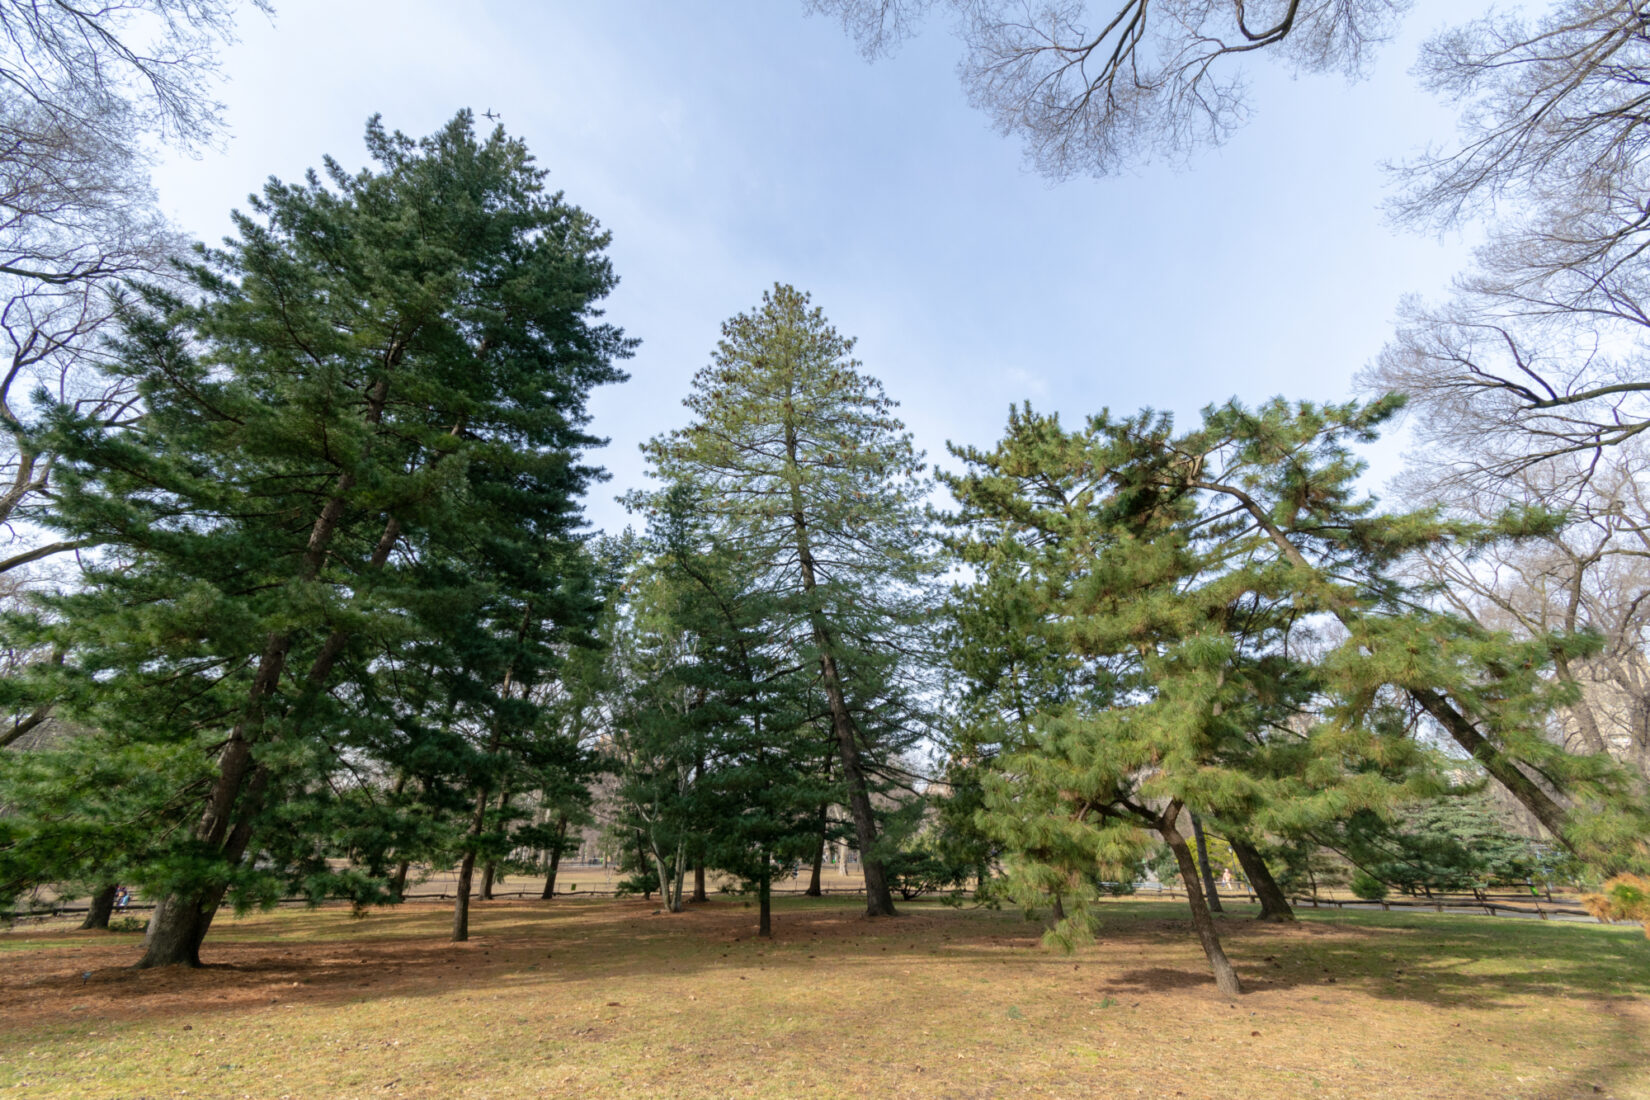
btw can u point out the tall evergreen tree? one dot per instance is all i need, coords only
(376, 360)
(819, 491)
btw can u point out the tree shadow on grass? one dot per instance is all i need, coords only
(321, 957)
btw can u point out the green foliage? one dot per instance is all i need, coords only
(1367, 887)
(1213, 619)
(1452, 843)
(920, 854)
(805, 476)
(719, 762)
(353, 473)
(1624, 897)
(1136, 643)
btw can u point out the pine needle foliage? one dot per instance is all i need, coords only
(381, 371)
(814, 484)
(1158, 622)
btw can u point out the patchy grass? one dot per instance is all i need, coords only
(605, 998)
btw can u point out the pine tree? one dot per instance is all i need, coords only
(722, 759)
(1171, 654)
(818, 488)
(368, 358)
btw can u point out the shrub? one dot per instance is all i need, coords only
(1367, 886)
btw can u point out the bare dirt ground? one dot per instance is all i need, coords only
(605, 998)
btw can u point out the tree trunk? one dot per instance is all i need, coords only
(813, 890)
(879, 901)
(1209, 890)
(1553, 817)
(467, 867)
(103, 904)
(177, 931)
(555, 858)
(764, 901)
(179, 924)
(1226, 979)
(398, 884)
(1056, 911)
(461, 904)
(1273, 905)
(488, 870)
(699, 894)
(174, 932)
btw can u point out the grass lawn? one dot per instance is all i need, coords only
(599, 998)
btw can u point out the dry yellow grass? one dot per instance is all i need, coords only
(603, 998)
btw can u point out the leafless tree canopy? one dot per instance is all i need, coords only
(1541, 351)
(1594, 575)
(1092, 88)
(126, 66)
(82, 86)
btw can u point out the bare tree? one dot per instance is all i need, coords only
(1592, 576)
(1091, 91)
(82, 87)
(1541, 351)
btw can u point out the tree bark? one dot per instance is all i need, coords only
(813, 890)
(461, 904)
(177, 930)
(1226, 979)
(764, 901)
(1209, 889)
(1553, 817)
(555, 858)
(103, 904)
(879, 901)
(478, 823)
(699, 894)
(398, 884)
(1273, 905)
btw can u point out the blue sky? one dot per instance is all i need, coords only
(728, 145)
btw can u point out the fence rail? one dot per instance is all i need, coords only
(1492, 904)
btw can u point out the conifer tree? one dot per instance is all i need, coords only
(722, 758)
(818, 489)
(376, 359)
(1182, 659)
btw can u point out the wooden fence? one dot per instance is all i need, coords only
(1478, 901)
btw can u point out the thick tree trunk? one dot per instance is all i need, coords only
(1209, 890)
(555, 858)
(103, 904)
(699, 894)
(398, 884)
(488, 871)
(176, 931)
(879, 900)
(1273, 905)
(1226, 979)
(461, 904)
(179, 924)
